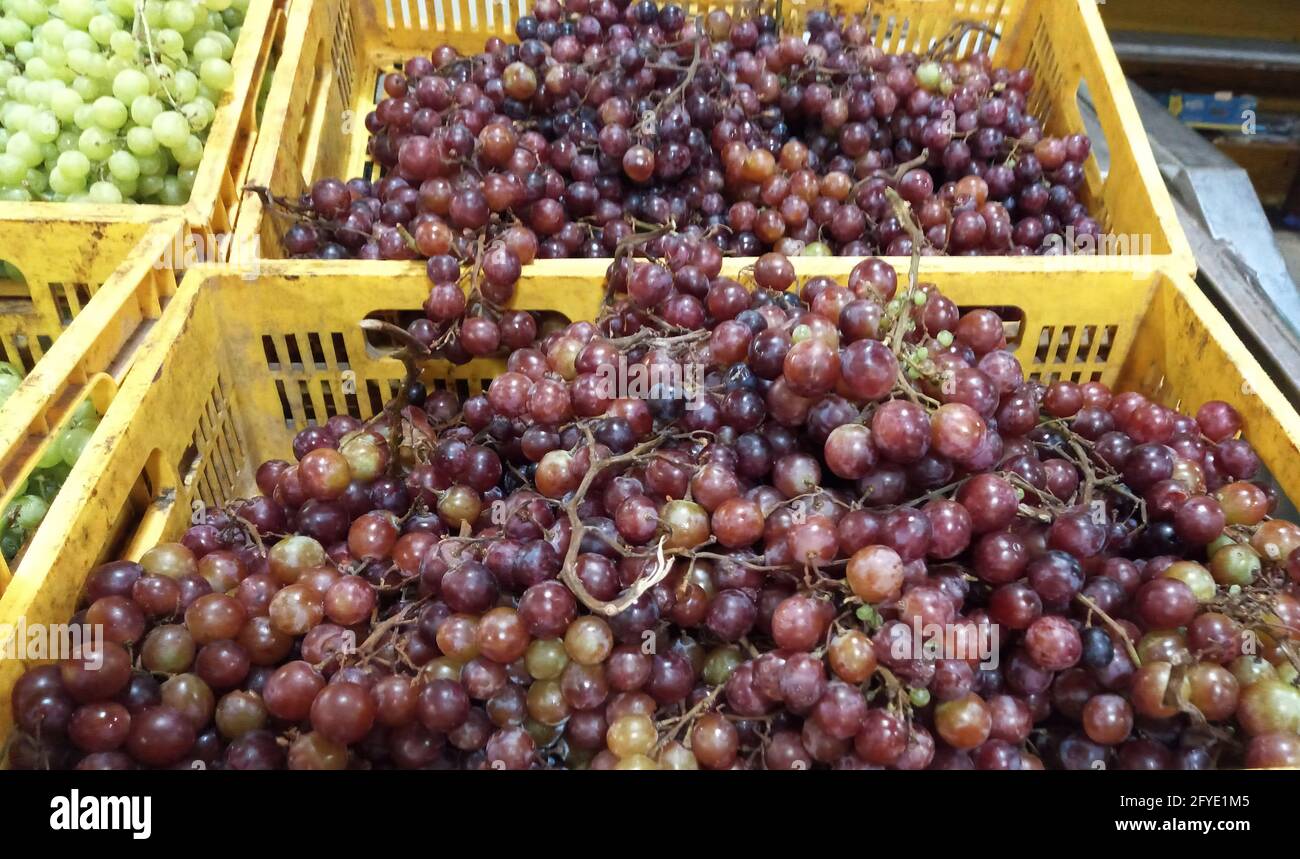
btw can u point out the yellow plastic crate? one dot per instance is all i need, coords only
(336, 50)
(235, 367)
(90, 363)
(39, 233)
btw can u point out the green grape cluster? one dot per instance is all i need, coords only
(22, 515)
(99, 106)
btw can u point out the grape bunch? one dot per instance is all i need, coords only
(97, 105)
(609, 117)
(739, 566)
(21, 517)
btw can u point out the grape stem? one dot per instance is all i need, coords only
(1092, 606)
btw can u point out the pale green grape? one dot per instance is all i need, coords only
(43, 127)
(110, 113)
(35, 181)
(29, 512)
(190, 153)
(49, 153)
(63, 182)
(227, 44)
(76, 12)
(55, 56)
(105, 192)
(7, 71)
(217, 5)
(24, 51)
(140, 141)
(64, 102)
(123, 167)
(12, 169)
(217, 74)
(127, 188)
(17, 116)
(130, 84)
(39, 69)
(83, 414)
(84, 117)
(153, 13)
(74, 164)
(186, 85)
(81, 61)
(150, 186)
(124, 44)
(187, 175)
(79, 39)
(171, 128)
(179, 15)
(153, 164)
(145, 109)
(8, 384)
(13, 31)
(198, 114)
(170, 43)
(85, 87)
(124, 9)
(7, 369)
(103, 27)
(207, 48)
(95, 143)
(66, 140)
(172, 193)
(22, 147)
(71, 443)
(15, 195)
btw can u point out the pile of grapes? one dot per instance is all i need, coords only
(99, 105)
(838, 529)
(610, 115)
(31, 502)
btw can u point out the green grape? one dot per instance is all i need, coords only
(45, 483)
(67, 140)
(85, 413)
(127, 188)
(76, 12)
(190, 153)
(103, 27)
(13, 31)
(22, 146)
(43, 127)
(15, 195)
(79, 39)
(144, 109)
(153, 164)
(217, 5)
(105, 192)
(10, 542)
(81, 61)
(179, 15)
(84, 117)
(95, 143)
(140, 141)
(153, 13)
(227, 44)
(149, 186)
(12, 169)
(130, 84)
(110, 113)
(7, 71)
(8, 384)
(24, 51)
(124, 45)
(64, 102)
(50, 457)
(186, 176)
(11, 272)
(29, 510)
(72, 442)
(207, 48)
(171, 128)
(123, 166)
(74, 163)
(124, 9)
(170, 43)
(197, 114)
(39, 69)
(187, 85)
(18, 115)
(217, 74)
(172, 193)
(35, 181)
(55, 57)
(85, 87)
(62, 182)
(49, 153)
